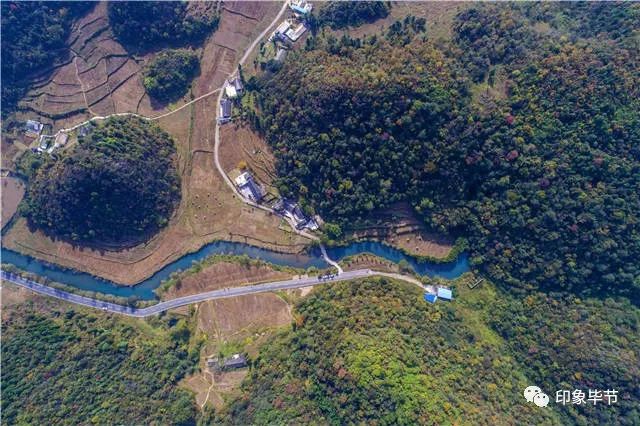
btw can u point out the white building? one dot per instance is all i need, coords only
(33, 128)
(249, 188)
(295, 33)
(302, 7)
(281, 30)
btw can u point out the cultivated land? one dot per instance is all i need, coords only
(223, 274)
(209, 210)
(12, 193)
(240, 324)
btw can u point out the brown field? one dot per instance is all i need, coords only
(224, 274)
(240, 144)
(209, 210)
(245, 322)
(398, 226)
(12, 193)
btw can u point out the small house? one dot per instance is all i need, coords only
(33, 128)
(281, 54)
(237, 84)
(301, 7)
(295, 33)
(230, 91)
(431, 298)
(249, 188)
(444, 293)
(281, 30)
(235, 361)
(225, 110)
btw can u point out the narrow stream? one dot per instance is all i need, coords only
(145, 289)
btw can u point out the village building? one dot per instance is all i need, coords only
(293, 211)
(444, 293)
(233, 362)
(279, 32)
(33, 128)
(302, 7)
(249, 188)
(225, 111)
(230, 91)
(295, 33)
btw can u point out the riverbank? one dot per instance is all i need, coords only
(144, 290)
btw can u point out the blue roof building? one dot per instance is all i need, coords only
(431, 298)
(445, 293)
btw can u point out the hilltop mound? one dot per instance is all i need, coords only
(118, 184)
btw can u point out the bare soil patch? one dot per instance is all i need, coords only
(12, 193)
(240, 146)
(399, 227)
(244, 323)
(224, 275)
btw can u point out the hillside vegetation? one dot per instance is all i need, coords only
(70, 367)
(524, 142)
(146, 25)
(168, 76)
(373, 352)
(340, 14)
(118, 184)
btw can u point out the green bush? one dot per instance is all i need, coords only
(168, 76)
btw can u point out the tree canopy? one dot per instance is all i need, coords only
(146, 25)
(542, 175)
(118, 184)
(168, 76)
(342, 14)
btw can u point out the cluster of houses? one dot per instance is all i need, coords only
(292, 28)
(234, 362)
(292, 210)
(46, 143)
(439, 293)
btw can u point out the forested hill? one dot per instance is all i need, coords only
(521, 134)
(118, 184)
(374, 352)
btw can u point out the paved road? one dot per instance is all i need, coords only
(181, 301)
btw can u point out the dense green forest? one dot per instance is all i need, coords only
(118, 184)
(341, 14)
(72, 367)
(523, 141)
(34, 36)
(168, 76)
(145, 25)
(374, 352)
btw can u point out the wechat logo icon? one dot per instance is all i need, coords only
(534, 394)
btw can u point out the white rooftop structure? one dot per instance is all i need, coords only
(34, 127)
(243, 179)
(301, 6)
(282, 29)
(295, 33)
(231, 91)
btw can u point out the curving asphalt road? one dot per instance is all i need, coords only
(182, 301)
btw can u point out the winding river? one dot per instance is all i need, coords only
(145, 289)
